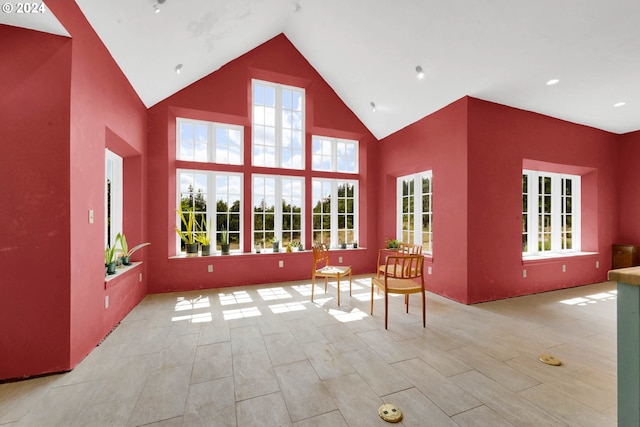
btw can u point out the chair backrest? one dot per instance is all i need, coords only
(320, 255)
(411, 266)
(409, 249)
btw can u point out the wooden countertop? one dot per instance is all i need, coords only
(630, 275)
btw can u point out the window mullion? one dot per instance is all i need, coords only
(417, 209)
(334, 213)
(277, 209)
(556, 221)
(534, 212)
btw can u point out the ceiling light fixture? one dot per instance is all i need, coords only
(552, 82)
(373, 106)
(619, 104)
(420, 72)
(178, 68)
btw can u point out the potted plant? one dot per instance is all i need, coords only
(224, 241)
(110, 259)
(355, 245)
(392, 244)
(275, 244)
(343, 245)
(126, 252)
(188, 234)
(204, 238)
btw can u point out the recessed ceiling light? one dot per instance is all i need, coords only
(553, 82)
(373, 106)
(178, 68)
(619, 104)
(419, 72)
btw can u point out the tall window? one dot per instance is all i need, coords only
(113, 195)
(277, 209)
(216, 198)
(278, 125)
(415, 209)
(200, 141)
(334, 212)
(550, 213)
(334, 155)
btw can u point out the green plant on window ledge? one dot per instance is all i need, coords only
(224, 241)
(204, 237)
(187, 232)
(126, 252)
(110, 259)
(275, 244)
(392, 244)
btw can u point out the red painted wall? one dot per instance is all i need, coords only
(438, 143)
(63, 100)
(34, 242)
(628, 189)
(105, 112)
(476, 150)
(500, 139)
(225, 95)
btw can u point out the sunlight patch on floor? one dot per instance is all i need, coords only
(241, 313)
(591, 299)
(238, 297)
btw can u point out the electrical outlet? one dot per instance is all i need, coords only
(429, 270)
(524, 273)
(90, 216)
(564, 268)
(597, 264)
(106, 301)
(140, 278)
(210, 268)
(281, 263)
(340, 260)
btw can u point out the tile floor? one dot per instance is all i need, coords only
(267, 356)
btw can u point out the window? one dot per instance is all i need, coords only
(334, 215)
(200, 141)
(278, 125)
(550, 213)
(415, 208)
(334, 155)
(277, 209)
(216, 196)
(113, 197)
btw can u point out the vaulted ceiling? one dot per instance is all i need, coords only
(368, 50)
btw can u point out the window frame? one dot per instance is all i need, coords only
(114, 207)
(212, 143)
(335, 159)
(213, 196)
(278, 127)
(556, 214)
(416, 235)
(334, 230)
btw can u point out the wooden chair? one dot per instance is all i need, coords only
(403, 249)
(322, 267)
(406, 278)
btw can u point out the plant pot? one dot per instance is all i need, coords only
(206, 250)
(126, 260)
(192, 249)
(300, 249)
(224, 248)
(111, 268)
(355, 245)
(343, 246)
(275, 246)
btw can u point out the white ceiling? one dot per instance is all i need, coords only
(367, 50)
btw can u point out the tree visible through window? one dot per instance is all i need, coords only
(334, 212)
(415, 210)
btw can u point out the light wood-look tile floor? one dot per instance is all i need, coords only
(267, 356)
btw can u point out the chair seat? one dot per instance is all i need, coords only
(398, 286)
(333, 270)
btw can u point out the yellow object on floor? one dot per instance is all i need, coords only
(390, 413)
(549, 360)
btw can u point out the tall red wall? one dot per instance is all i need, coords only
(34, 242)
(105, 112)
(628, 189)
(500, 139)
(225, 95)
(438, 143)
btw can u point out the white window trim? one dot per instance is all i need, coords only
(334, 153)
(532, 219)
(278, 125)
(212, 201)
(211, 139)
(335, 182)
(113, 161)
(417, 206)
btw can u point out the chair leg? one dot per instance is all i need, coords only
(424, 310)
(349, 282)
(313, 285)
(338, 290)
(386, 308)
(372, 286)
(406, 301)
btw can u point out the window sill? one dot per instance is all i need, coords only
(111, 279)
(535, 259)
